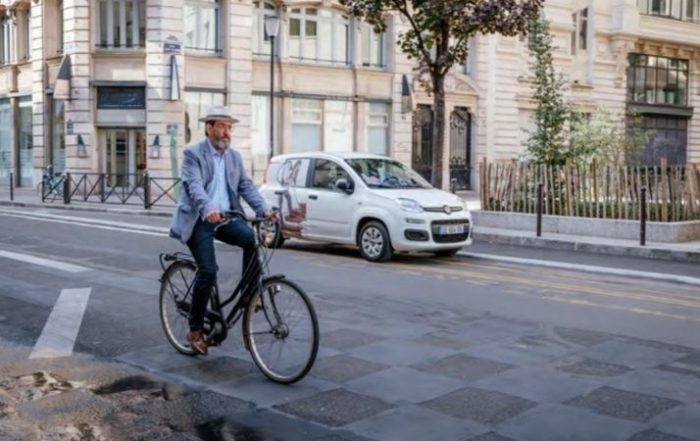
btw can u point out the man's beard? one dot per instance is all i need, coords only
(220, 143)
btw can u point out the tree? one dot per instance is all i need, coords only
(548, 142)
(614, 138)
(438, 37)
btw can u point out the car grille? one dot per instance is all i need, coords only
(453, 209)
(449, 238)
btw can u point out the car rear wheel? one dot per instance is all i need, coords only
(374, 242)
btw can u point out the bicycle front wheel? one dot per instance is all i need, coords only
(175, 303)
(281, 330)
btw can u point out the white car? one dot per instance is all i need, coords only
(374, 202)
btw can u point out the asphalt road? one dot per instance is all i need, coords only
(437, 308)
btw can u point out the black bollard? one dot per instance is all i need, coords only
(540, 206)
(643, 218)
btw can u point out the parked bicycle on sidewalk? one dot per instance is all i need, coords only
(51, 185)
(279, 327)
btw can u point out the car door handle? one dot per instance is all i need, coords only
(313, 196)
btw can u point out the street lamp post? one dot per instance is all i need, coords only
(272, 27)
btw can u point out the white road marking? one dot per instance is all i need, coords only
(688, 280)
(61, 329)
(84, 220)
(68, 267)
(138, 229)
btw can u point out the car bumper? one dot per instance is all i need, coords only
(431, 234)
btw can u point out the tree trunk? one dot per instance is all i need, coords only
(438, 129)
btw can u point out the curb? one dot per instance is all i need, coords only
(141, 212)
(615, 250)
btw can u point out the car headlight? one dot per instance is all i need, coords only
(410, 205)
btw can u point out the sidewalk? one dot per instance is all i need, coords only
(684, 251)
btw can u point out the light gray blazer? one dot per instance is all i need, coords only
(196, 176)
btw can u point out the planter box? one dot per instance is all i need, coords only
(584, 226)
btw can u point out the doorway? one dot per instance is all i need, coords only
(422, 154)
(123, 156)
(460, 148)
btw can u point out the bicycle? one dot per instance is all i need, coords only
(279, 321)
(51, 185)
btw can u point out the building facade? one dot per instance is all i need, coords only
(117, 86)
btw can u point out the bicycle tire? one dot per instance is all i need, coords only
(267, 341)
(175, 302)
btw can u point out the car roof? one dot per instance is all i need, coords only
(327, 155)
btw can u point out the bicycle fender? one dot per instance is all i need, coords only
(274, 276)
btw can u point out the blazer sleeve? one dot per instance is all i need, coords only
(193, 184)
(247, 190)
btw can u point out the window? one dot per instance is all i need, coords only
(668, 139)
(59, 26)
(196, 104)
(306, 125)
(579, 37)
(318, 35)
(8, 40)
(688, 10)
(121, 24)
(327, 173)
(121, 98)
(657, 80)
(202, 26)
(58, 135)
(378, 129)
(337, 126)
(261, 41)
(25, 140)
(372, 47)
(5, 140)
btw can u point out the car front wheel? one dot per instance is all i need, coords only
(374, 242)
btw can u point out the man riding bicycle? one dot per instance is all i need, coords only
(213, 178)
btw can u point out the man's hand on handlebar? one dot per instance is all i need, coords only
(214, 217)
(271, 215)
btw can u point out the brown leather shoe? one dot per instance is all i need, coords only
(197, 342)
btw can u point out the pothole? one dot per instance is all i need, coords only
(36, 386)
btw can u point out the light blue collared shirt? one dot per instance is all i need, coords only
(218, 191)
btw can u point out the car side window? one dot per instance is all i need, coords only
(293, 172)
(327, 173)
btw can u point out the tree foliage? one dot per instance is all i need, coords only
(438, 37)
(548, 141)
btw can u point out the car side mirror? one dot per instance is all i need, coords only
(344, 185)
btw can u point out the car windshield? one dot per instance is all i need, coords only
(386, 173)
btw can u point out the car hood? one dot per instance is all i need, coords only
(425, 197)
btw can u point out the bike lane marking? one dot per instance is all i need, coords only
(61, 329)
(68, 267)
(131, 229)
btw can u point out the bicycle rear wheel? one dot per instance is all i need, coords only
(281, 330)
(175, 303)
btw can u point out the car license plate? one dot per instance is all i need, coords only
(451, 229)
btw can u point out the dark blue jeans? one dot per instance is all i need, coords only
(201, 245)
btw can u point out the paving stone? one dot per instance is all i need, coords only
(349, 339)
(582, 337)
(683, 369)
(594, 368)
(660, 382)
(690, 359)
(659, 345)
(630, 354)
(158, 358)
(445, 340)
(264, 393)
(556, 422)
(619, 403)
(404, 384)
(487, 407)
(655, 435)
(216, 370)
(400, 353)
(342, 368)
(490, 329)
(415, 423)
(538, 384)
(681, 421)
(490, 436)
(335, 408)
(464, 367)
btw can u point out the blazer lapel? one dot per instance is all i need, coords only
(206, 153)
